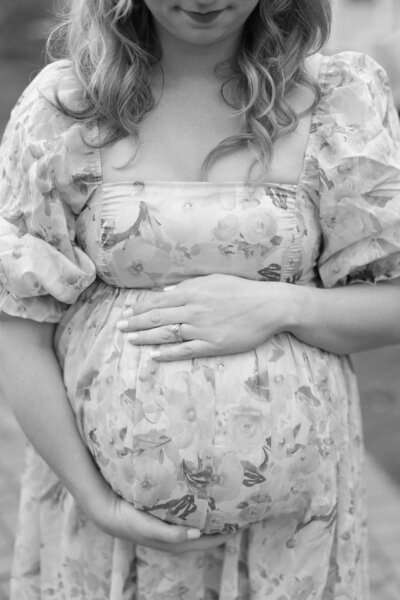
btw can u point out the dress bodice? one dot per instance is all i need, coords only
(142, 235)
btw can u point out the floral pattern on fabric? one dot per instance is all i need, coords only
(359, 204)
(267, 443)
(47, 174)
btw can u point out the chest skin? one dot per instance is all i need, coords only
(187, 122)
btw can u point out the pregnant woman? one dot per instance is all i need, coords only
(209, 211)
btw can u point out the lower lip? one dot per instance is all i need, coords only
(203, 19)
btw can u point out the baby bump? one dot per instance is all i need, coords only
(215, 443)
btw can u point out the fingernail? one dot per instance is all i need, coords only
(155, 354)
(122, 325)
(127, 313)
(169, 288)
(132, 337)
(193, 534)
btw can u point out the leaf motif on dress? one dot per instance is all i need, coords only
(54, 494)
(152, 440)
(296, 430)
(276, 240)
(230, 528)
(85, 383)
(277, 351)
(252, 475)
(250, 249)
(110, 239)
(228, 250)
(280, 200)
(258, 384)
(197, 478)
(211, 504)
(115, 355)
(329, 519)
(130, 394)
(180, 507)
(328, 183)
(271, 273)
(304, 393)
(290, 451)
(295, 277)
(184, 250)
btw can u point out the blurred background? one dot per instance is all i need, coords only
(371, 26)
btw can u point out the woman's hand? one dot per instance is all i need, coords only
(218, 314)
(50, 424)
(118, 518)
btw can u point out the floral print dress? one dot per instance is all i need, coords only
(265, 444)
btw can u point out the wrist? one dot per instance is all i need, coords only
(294, 305)
(302, 310)
(97, 502)
(90, 490)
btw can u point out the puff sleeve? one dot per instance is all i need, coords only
(359, 173)
(47, 174)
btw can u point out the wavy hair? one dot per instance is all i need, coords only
(113, 47)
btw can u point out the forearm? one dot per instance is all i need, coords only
(31, 381)
(345, 320)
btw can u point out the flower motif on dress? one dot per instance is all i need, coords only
(227, 228)
(186, 416)
(215, 521)
(227, 477)
(248, 429)
(152, 481)
(254, 512)
(259, 226)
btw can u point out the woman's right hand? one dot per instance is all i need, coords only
(50, 424)
(119, 518)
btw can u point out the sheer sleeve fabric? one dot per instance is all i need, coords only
(47, 174)
(358, 155)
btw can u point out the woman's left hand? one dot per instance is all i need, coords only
(216, 314)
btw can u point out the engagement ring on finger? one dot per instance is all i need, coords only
(177, 332)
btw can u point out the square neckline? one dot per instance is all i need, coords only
(293, 187)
